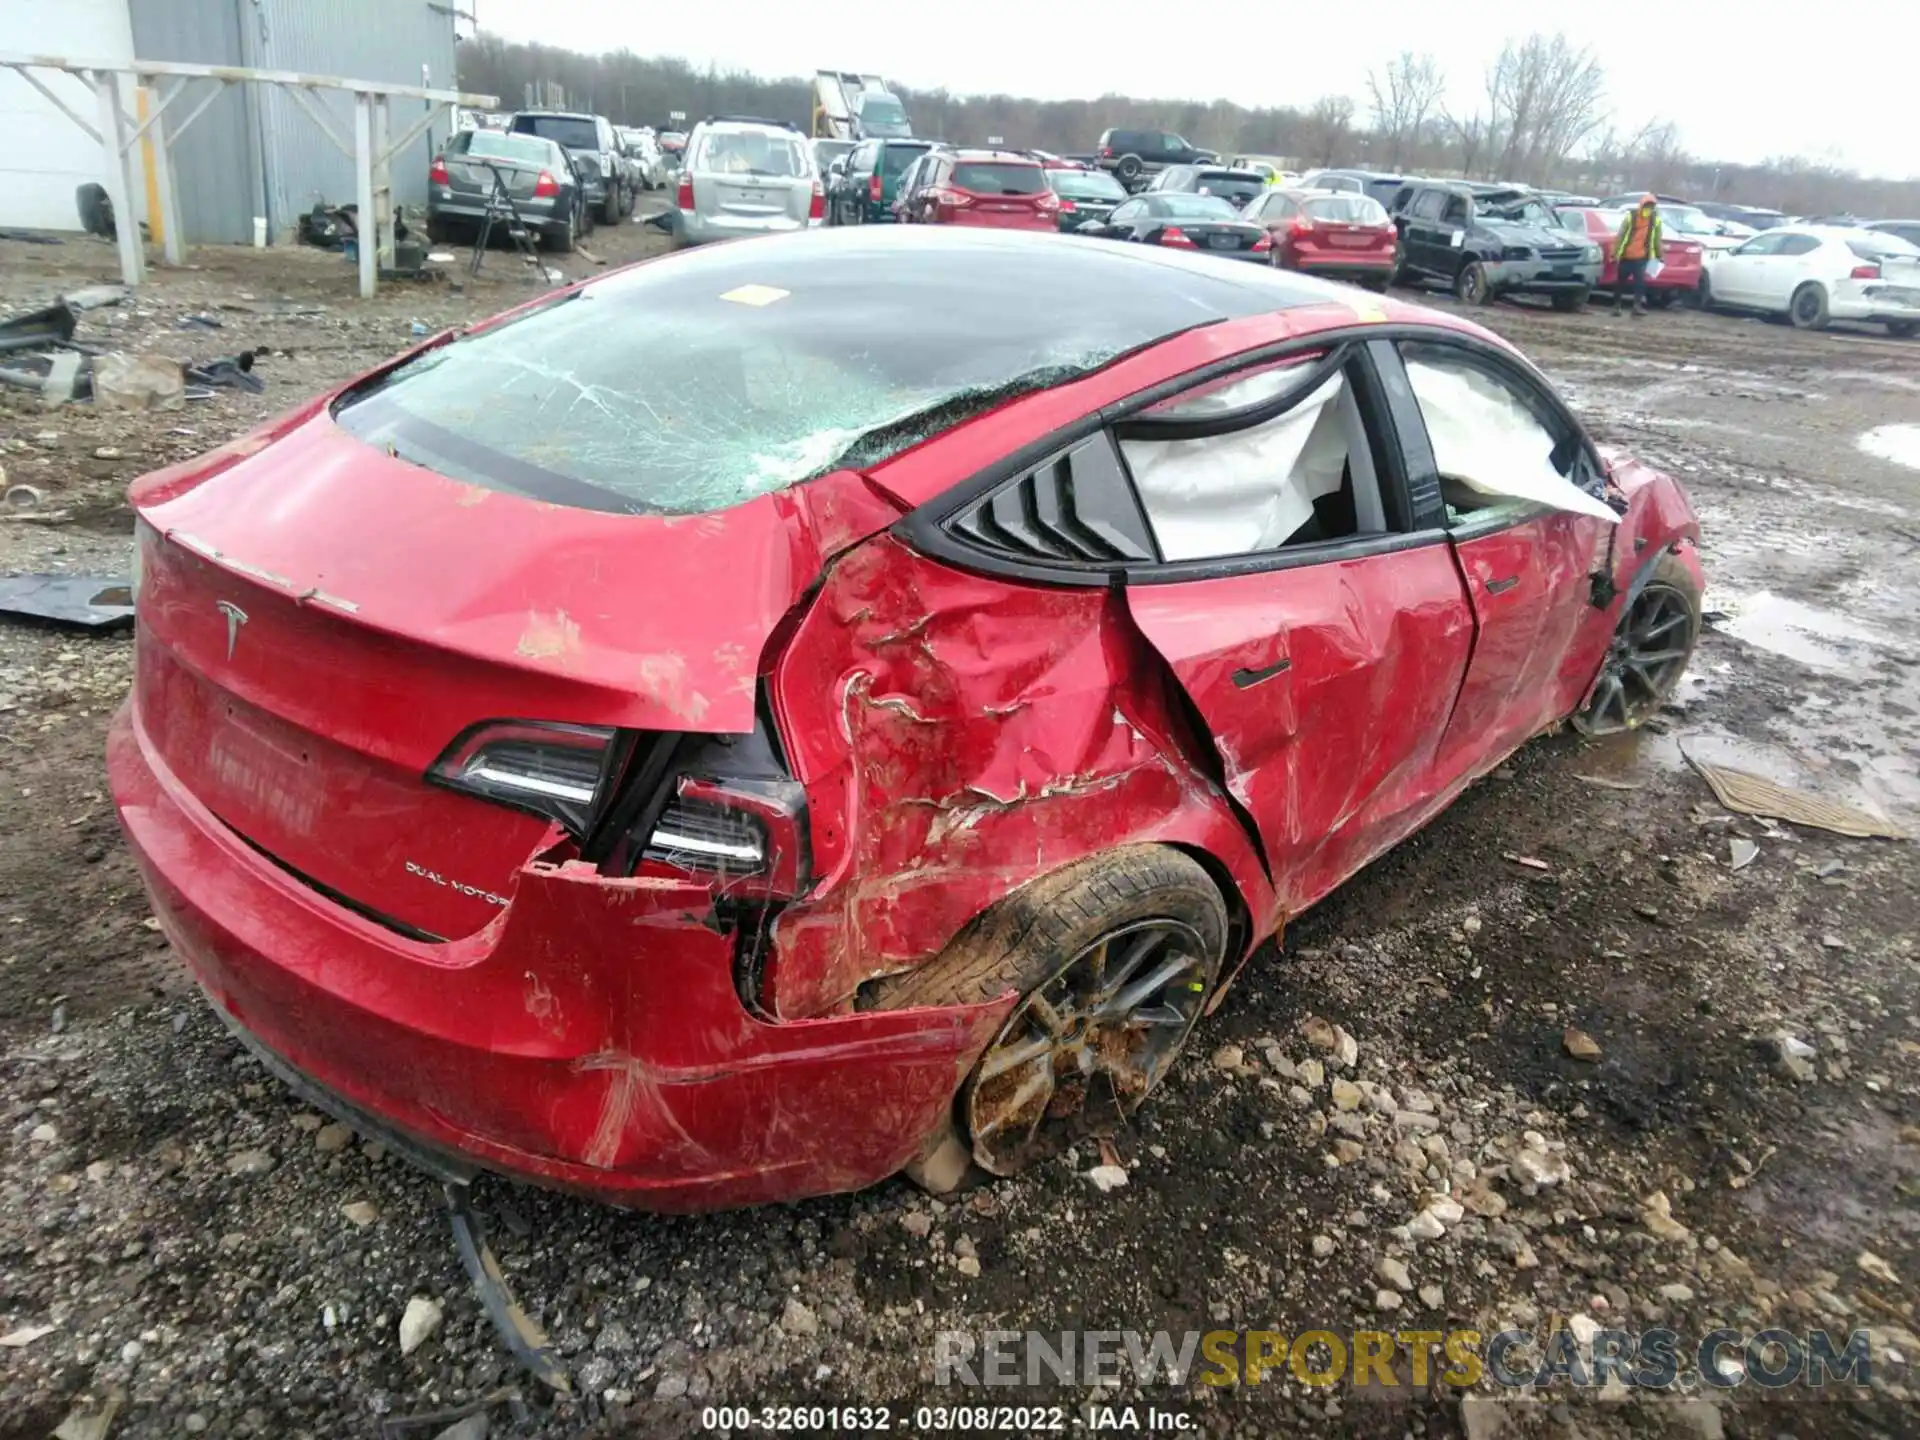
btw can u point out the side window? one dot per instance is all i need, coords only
(861, 161)
(1127, 213)
(1760, 245)
(1428, 204)
(1455, 212)
(1798, 245)
(1497, 443)
(1306, 476)
(1173, 145)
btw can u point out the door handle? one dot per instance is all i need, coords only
(1497, 587)
(1245, 678)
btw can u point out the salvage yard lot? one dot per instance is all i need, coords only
(178, 1216)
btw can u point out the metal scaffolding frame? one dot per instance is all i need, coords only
(371, 148)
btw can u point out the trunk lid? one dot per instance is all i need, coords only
(319, 622)
(1220, 236)
(752, 197)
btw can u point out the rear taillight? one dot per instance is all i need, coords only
(817, 207)
(1106, 152)
(554, 771)
(951, 199)
(683, 197)
(1067, 207)
(437, 172)
(635, 800)
(1265, 242)
(1174, 235)
(1301, 225)
(1047, 203)
(875, 188)
(546, 187)
(1865, 272)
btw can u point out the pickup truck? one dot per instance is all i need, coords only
(609, 181)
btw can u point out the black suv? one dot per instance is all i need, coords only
(1236, 187)
(595, 148)
(1130, 154)
(1486, 243)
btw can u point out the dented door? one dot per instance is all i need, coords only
(1325, 688)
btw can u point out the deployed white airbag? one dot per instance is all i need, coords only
(1247, 491)
(1485, 437)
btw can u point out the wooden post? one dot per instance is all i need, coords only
(120, 192)
(367, 231)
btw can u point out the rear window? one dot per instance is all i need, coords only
(522, 149)
(1346, 210)
(896, 158)
(574, 132)
(1195, 207)
(998, 178)
(1878, 244)
(706, 380)
(1237, 188)
(751, 152)
(1086, 185)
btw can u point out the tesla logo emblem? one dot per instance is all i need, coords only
(236, 617)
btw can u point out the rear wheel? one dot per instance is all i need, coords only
(1470, 285)
(1808, 308)
(610, 206)
(561, 237)
(1113, 958)
(1128, 169)
(1649, 654)
(1703, 297)
(1902, 329)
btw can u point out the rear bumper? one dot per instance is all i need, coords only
(696, 229)
(1355, 268)
(534, 212)
(589, 1039)
(1874, 300)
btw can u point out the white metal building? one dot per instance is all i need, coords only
(253, 153)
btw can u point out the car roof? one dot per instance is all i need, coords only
(557, 114)
(976, 155)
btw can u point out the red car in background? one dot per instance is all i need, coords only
(996, 189)
(1333, 234)
(873, 752)
(1681, 264)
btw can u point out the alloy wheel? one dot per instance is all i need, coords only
(1644, 663)
(1097, 1036)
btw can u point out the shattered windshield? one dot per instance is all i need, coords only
(700, 382)
(1519, 210)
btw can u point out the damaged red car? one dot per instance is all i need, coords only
(795, 711)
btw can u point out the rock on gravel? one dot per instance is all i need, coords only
(798, 1318)
(419, 1323)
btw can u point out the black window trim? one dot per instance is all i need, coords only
(1421, 516)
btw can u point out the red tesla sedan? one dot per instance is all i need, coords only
(788, 712)
(1328, 233)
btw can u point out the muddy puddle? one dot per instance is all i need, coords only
(1898, 443)
(1812, 635)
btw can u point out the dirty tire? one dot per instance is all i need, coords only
(560, 239)
(1470, 285)
(610, 208)
(1703, 297)
(1902, 329)
(1808, 308)
(1044, 930)
(1567, 304)
(1128, 169)
(1596, 716)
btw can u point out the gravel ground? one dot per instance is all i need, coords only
(1470, 1092)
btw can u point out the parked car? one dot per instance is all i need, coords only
(1185, 222)
(1814, 275)
(596, 155)
(745, 177)
(1681, 258)
(869, 182)
(1486, 245)
(1328, 233)
(645, 163)
(993, 188)
(1134, 154)
(1381, 185)
(1236, 187)
(487, 840)
(1907, 230)
(826, 152)
(673, 144)
(538, 176)
(1084, 195)
(1272, 170)
(1689, 222)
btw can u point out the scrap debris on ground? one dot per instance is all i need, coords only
(1596, 1049)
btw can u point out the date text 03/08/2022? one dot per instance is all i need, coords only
(955, 1419)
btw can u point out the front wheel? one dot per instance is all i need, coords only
(1566, 304)
(1650, 649)
(1703, 297)
(1113, 957)
(1470, 286)
(1808, 308)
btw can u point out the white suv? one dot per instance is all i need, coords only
(746, 177)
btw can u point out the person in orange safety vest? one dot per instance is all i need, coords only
(1637, 243)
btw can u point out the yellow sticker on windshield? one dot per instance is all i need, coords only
(755, 294)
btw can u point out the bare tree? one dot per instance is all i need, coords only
(1472, 136)
(1403, 97)
(1545, 98)
(1327, 128)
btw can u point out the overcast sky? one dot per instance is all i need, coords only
(1741, 79)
